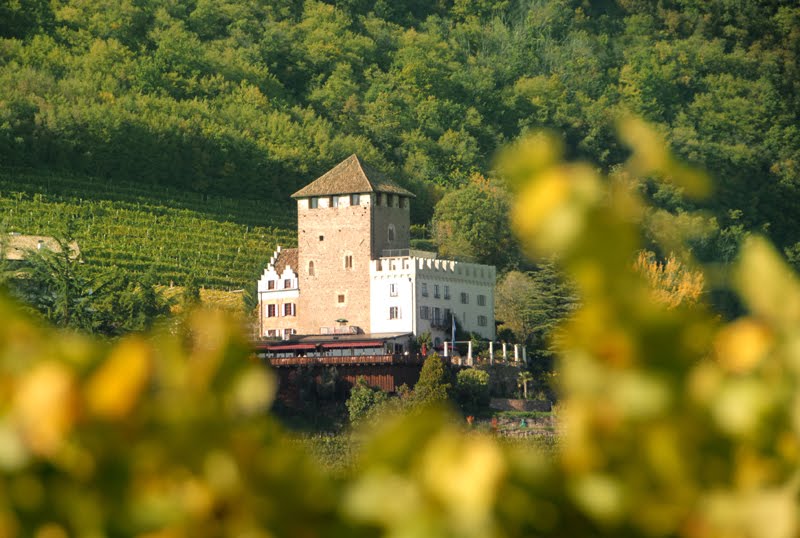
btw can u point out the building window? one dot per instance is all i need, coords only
(464, 298)
(334, 201)
(272, 332)
(393, 290)
(287, 283)
(390, 234)
(482, 321)
(424, 312)
(447, 292)
(481, 300)
(322, 238)
(270, 284)
(394, 312)
(288, 309)
(340, 298)
(355, 199)
(424, 289)
(348, 262)
(436, 291)
(311, 268)
(270, 310)
(437, 315)
(446, 315)
(314, 202)
(287, 333)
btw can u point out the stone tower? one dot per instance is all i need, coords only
(350, 215)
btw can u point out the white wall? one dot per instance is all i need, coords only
(409, 274)
(400, 273)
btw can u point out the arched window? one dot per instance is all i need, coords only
(391, 233)
(311, 268)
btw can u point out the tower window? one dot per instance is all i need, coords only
(311, 268)
(340, 298)
(355, 199)
(314, 202)
(391, 233)
(334, 201)
(348, 262)
(322, 238)
(393, 290)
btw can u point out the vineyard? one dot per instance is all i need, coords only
(222, 242)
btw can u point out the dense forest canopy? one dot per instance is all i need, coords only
(254, 98)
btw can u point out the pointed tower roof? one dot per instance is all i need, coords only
(351, 176)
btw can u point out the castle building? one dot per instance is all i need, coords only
(354, 273)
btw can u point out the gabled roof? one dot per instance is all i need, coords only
(14, 247)
(351, 176)
(286, 257)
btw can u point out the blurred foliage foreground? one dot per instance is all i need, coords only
(674, 423)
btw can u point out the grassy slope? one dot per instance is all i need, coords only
(224, 242)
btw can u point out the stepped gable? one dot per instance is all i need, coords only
(286, 257)
(351, 176)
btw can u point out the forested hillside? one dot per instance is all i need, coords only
(254, 98)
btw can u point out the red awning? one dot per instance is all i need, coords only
(289, 347)
(330, 345)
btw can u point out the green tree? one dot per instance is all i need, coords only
(523, 380)
(471, 223)
(472, 390)
(57, 284)
(532, 304)
(364, 401)
(434, 384)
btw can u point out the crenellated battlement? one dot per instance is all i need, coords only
(391, 266)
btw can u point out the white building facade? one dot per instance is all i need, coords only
(417, 293)
(278, 292)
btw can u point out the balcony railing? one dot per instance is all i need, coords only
(396, 358)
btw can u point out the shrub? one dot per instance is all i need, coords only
(433, 385)
(472, 390)
(364, 401)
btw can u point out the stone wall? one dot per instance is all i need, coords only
(325, 235)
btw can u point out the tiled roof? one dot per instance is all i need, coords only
(15, 246)
(286, 257)
(351, 176)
